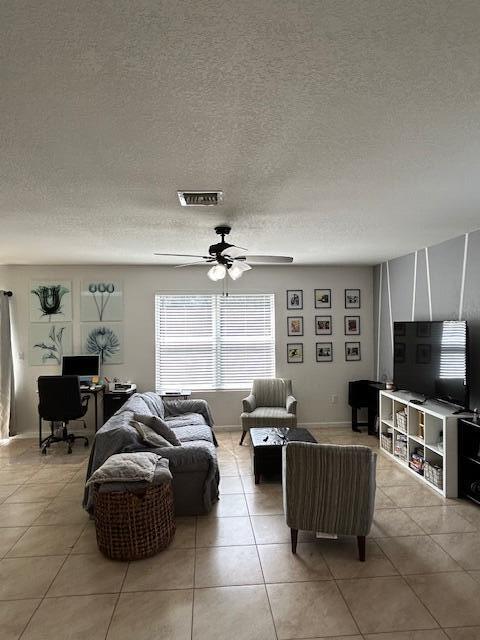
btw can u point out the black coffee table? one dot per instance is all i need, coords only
(267, 444)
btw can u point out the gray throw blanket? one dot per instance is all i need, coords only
(123, 467)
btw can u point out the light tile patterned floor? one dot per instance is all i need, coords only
(231, 573)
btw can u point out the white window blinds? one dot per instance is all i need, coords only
(452, 350)
(213, 341)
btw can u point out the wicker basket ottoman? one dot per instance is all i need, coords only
(130, 526)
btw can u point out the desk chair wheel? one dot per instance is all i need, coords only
(44, 451)
(69, 449)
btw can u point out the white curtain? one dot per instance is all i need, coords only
(6, 367)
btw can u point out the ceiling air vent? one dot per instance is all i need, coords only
(200, 198)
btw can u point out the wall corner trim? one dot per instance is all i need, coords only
(414, 287)
(464, 271)
(379, 319)
(429, 286)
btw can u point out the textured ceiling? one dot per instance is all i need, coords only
(342, 131)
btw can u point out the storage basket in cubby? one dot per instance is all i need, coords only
(400, 449)
(386, 441)
(401, 420)
(434, 474)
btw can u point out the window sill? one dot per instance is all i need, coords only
(194, 391)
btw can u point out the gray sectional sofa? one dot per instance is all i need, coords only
(193, 464)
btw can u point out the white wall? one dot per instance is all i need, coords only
(314, 383)
(3, 277)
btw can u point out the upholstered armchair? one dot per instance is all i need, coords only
(270, 404)
(329, 489)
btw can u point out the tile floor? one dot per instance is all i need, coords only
(231, 573)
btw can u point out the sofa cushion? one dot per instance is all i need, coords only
(268, 417)
(159, 426)
(184, 420)
(149, 436)
(269, 412)
(194, 432)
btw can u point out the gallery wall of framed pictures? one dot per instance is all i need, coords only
(52, 321)
(324, 325)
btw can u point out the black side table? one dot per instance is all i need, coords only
(267, 444)
(113, 400)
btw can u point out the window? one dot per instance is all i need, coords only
(213, 341)
(452, 350)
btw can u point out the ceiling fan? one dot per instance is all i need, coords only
(228, 258)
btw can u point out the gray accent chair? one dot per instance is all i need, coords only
(270, 404)
(329, 489)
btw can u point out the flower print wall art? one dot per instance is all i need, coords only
(51, 301)
(49, 342)
(104, 340)
(101, 300)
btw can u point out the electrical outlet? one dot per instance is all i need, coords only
(21, 355)
(334, 399)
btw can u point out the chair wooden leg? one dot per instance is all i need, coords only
(294, 537)
(361, 548)
(244, 433)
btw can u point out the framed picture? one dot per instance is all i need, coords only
(323, 325)
(295, 352)
(352, 298)
(104, 340)
(323, 298)
(50, 301)
(294, 299)
(424, 354)
(399, 329)
(423, 329)
(101, 300)
(400, 350)
(352, 325)
(352, 351)
(295, 325)
(324, 351)
(49, 342)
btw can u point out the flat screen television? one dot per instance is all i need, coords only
(431, 359)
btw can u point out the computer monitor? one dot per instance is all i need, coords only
(85, 367)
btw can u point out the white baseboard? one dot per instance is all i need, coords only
(304, 425)
(34, 434)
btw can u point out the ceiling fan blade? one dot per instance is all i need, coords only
(191, 264)
(234, 252)
(181, 255)
(269, 259)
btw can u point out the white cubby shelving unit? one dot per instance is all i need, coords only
(428, 430)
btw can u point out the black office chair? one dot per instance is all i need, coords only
(60, 400)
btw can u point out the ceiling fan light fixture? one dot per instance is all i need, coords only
(217, 272)
(237, 269)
